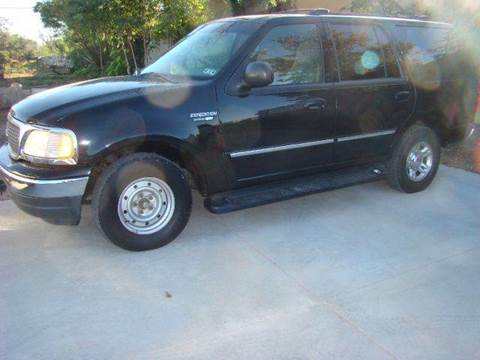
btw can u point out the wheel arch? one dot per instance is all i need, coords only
(436, 126)
(181, 153)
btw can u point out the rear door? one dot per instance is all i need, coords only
(373, 97)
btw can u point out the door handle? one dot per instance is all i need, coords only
(402, 96)
(316, 105)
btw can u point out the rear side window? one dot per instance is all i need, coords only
(423, 44)
(391, 63)
(424, 50)
(363, 52)
(294, 52)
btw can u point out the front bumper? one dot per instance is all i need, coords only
(49, 194)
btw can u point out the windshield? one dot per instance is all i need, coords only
(205, 51)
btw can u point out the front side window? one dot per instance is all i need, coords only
(204, 52)
(360, 54)
(294, 53)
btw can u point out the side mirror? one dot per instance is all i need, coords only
(258, 74)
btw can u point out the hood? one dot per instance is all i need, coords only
(55, 104)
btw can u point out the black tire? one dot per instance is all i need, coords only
(117, 177)
(397, 174)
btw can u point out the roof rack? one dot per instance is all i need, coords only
(315, 11)
(323, 11)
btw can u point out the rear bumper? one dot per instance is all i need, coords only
(56, 200)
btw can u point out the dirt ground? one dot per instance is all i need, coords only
(464, 155)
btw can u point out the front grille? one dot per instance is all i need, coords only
(13, 137)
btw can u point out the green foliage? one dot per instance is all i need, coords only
(382, 7)
(53, 47)
(180, 17)
(16, 52)
(114, 35)
(242, 7)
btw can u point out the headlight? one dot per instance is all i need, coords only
(50, 146)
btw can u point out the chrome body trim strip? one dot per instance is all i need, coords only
(266, 150)
(366, 136)
(26, 180)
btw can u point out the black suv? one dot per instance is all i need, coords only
(248, 111)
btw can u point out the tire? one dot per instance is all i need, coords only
(401, 169)
(142, 202)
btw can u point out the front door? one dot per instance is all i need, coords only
(287, 126)
(373, 97)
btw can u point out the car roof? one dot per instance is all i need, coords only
(268, 17)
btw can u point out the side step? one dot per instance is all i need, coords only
(288, 189)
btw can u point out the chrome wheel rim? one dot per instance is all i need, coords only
(419, 162)
(146, 206)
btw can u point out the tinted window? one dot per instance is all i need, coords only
(424, 44)
(205, 51)
(359, 52)
(294, 52)
(388, 54)
(424, 50)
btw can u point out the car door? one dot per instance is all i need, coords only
(374, 99)
(287, 126)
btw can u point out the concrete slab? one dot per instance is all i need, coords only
(360, 273)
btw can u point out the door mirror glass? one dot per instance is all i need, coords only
(258, 74)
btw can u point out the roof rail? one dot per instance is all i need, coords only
(395, 16)
(315, 11)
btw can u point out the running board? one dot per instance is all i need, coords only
(288, 189)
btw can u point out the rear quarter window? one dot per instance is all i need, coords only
(427, 52)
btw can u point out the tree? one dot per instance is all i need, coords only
(3, 36)
(82, 24)
(15, 51)
(114, 36)
(383, 7)
(243, 7)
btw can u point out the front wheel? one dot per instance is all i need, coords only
(142, 202)
(415, 160)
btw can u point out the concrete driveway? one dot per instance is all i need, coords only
(358, 273)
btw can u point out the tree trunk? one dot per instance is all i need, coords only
(383, 7)
(133, 54)
(145, 50)
(101, 58)
(237, 8)
(127, 62)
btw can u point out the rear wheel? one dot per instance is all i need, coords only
(142, 202)
(415, 160)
